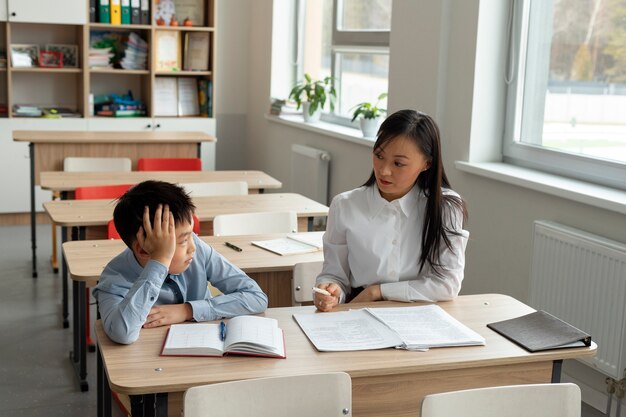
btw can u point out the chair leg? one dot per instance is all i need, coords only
(90, 344)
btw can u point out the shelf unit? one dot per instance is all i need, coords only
(71, 87)
(67, 22)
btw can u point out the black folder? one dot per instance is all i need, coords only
(541, 331)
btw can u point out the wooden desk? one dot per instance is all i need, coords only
(70, 213)
(87, 258)
(48, 149)
(62, 181)
(384, 382)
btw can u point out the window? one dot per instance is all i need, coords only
(346, 39)
(566, 100)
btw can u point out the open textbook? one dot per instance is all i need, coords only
(293, 243)
(243, 335)
(412, 328)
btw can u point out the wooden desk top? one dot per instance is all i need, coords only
(68, 181)
(44, 136)
(69, 213)
(133, 369)
(87, 258)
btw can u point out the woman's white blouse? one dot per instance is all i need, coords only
(369, 240)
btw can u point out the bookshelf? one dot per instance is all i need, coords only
(67, 22)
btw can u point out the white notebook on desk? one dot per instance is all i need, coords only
(293, 243)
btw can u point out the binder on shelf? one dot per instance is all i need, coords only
(541, 331)
(92, 11)
(126, 12)
(145, 12)
(135, 12)
(104, 11)
(116, 12)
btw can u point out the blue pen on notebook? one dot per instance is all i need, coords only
(222, 331)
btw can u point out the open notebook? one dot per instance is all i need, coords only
(411, 328)
(244, 335)
(293, 243)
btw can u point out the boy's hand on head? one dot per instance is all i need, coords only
(159, 239)
(168, 314)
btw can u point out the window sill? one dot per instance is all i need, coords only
(323, 128)
(594, 195)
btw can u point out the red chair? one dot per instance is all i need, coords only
(169, 164)
(99, 192)
(113, 234)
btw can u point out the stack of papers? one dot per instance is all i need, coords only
(100, 57)
(135, 53)
(27, 111)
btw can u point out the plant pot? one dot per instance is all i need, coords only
(369, 127)
(308, 118)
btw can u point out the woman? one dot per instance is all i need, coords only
(399, 236)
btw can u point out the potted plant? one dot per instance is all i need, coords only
(315, 93)
(370, 116)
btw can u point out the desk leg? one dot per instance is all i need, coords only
(104, 390)
(33, 215)
(148, 405)
(309, 225)
(556, 371)
(78, 357)
(66, 312)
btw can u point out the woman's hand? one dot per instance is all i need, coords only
(371, 293)
(327, 302)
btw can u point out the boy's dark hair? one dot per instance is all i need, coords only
(128, 213)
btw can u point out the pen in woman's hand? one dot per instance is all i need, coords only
(320, 291)
(234, 247)
(222, 331)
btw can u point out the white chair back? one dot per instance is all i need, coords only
(328, 395)
(533, 400)
(304, 275)
(86, 164)
(255, 223)
(207, 189)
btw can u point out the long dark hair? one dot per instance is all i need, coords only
(423, 131)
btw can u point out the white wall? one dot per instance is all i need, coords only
(433, 68)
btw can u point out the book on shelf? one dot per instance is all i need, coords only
(411, 328)
(541, 331)
(196, 51)
(242, 335)
(188, 97)
(21, 110)
(165, 96)
(293, 243)
(167, 50)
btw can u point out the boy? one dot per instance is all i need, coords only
(161, 278)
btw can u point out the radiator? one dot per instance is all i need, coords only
(309, 172)
(581, 278)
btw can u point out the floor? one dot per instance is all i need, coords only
(36, 378)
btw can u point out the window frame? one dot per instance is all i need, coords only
(342, 42)
(533, 155)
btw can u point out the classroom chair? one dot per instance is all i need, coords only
(85, 164)
(304, 275)
(169, 164)
(208, 189)
(255, 223)
(536, 400)
(327, 395)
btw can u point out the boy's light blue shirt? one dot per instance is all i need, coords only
(126, 292)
